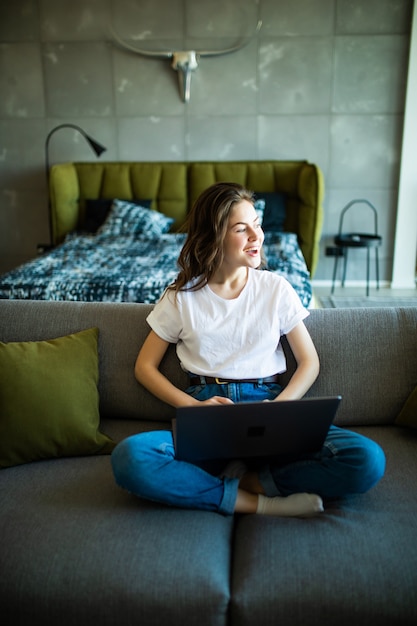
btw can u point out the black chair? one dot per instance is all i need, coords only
(344, 241)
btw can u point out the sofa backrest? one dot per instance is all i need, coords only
(369, 356)
(173, 188)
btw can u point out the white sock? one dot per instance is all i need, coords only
(295, 505)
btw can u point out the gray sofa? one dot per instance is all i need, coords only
(76, 549)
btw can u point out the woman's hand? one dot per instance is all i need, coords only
(215, 400)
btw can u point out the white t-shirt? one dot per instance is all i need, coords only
(234, 339)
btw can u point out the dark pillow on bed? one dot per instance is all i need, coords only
(127, 218)
(96, 211)
(274, 212)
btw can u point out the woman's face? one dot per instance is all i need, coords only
(244, 237)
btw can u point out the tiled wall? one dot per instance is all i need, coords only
(323, 80)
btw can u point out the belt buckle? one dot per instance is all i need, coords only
(219, 382)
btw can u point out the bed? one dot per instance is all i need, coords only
(117, 228)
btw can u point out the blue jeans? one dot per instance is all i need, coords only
(145, 464)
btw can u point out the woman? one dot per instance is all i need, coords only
(226, 318)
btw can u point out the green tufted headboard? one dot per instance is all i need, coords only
(174, 186)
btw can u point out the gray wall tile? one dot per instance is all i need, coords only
(19, 20)
(21, 80)
(373, 16)
(298, 17)
(365, 149)
(78, 79)
(151, 139)
(78, 20)
(295, 75)
(144, 86)
(220, 18)
(23, 219)
(221, 138)
(21, 150)
(147, 20)
(370, 74)
(295, 137)
(226, 85)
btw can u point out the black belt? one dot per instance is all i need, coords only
(209, 380)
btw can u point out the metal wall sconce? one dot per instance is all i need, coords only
(96, 147)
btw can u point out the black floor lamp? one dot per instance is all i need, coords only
(97, 148)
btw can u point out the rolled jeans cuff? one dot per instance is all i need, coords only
(228, 501)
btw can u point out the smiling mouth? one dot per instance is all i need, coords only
(252, 251)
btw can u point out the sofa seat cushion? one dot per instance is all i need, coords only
(355, 564)
(79, 550)
(408, 414)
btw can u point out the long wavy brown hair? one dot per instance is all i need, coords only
(206, 227)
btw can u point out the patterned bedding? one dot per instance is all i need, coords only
(130, 268)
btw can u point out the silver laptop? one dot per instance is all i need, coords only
(253, 429)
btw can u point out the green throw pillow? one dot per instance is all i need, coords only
(49, 402)
(408, 414)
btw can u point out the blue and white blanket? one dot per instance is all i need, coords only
(130, 268)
